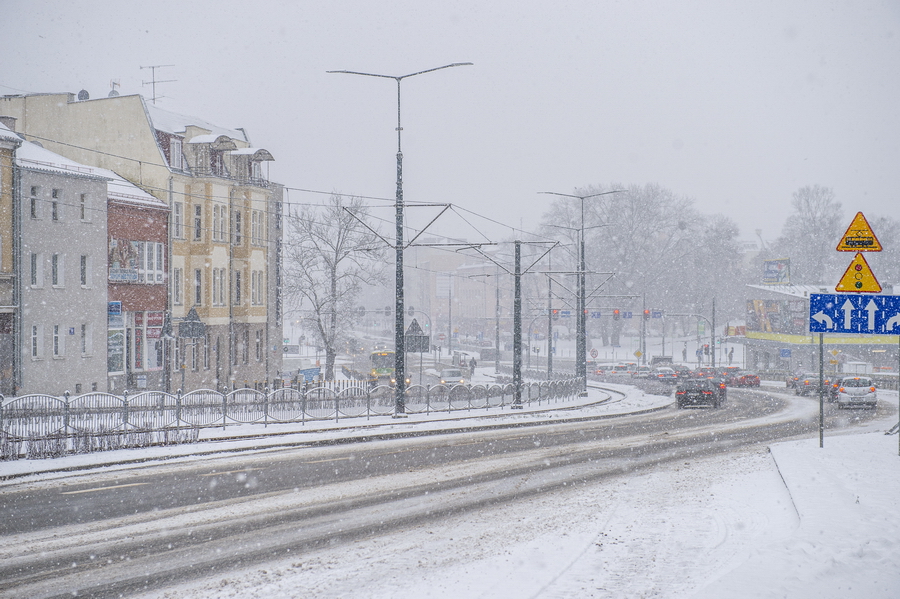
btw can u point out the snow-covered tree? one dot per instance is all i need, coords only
(329, 256)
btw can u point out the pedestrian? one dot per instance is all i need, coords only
(472, 364)
(684, 353)
(730, 355)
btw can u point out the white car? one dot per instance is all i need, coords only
(856, 391)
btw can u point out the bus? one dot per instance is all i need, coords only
(381, 366)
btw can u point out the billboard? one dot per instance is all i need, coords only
(777, 272)
(778, 316)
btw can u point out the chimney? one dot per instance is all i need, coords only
(9, 121)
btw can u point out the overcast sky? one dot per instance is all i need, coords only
(734, 104)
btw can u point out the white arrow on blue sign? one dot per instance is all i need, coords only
(863, 314)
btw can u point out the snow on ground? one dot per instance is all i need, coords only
(754, 523)
(796, 521)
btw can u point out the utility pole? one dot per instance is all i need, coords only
(399, 344)
(517, 327)
(549, 320)
(712, 350)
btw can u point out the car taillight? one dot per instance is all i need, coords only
(872, 389)
(841, 390)
(707, 393)
(679, 393)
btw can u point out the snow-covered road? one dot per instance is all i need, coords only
(798, 521)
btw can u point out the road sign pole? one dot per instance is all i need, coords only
(821, 389)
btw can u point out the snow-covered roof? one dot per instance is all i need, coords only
(176, 124)
(7, 135)
(121, 190)
(32, 156)
(794, 290)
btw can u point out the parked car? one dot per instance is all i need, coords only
(857, 391)
(692, 392)
(664, 374)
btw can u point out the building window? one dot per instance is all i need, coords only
(177, 278)
(206, 352)
(178, 220)
(215, 223)
(54, 205)
(259, 346)
(246, 347)
(82, 208)
(218, 286)
(237, 288)
(198, 222)
(35, 206)
(57, 276)
(237, 227)
(198, 287)
(86, 345)
(59, 341)
(257, 287)
(175, 154)
(195, 363)
(85, 278)
(255, 236)
(36, 341)
(37, 271)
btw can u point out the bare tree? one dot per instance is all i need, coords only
(810, 235)
(329, 256)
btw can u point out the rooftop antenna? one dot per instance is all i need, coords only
(113, 84)
(153, 80)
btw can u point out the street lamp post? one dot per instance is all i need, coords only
(399, 346)
(581, 325)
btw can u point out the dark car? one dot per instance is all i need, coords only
(808, 384)
(693, 392)
(664, 374)
(745, 378)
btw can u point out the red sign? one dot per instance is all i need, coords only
(155, 319)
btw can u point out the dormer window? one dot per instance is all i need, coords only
(176, 158)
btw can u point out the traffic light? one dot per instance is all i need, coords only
(555, 314)
(616, 314)
(646, 314)
(706, 349)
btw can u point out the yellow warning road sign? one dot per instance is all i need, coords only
(859, 237)
(859, 278)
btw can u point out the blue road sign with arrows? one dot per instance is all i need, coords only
(865, 314)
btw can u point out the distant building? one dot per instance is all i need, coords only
(224, 230)
(778, 337)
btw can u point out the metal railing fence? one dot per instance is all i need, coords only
(47, 426)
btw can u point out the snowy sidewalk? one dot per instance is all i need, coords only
(847, 543)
